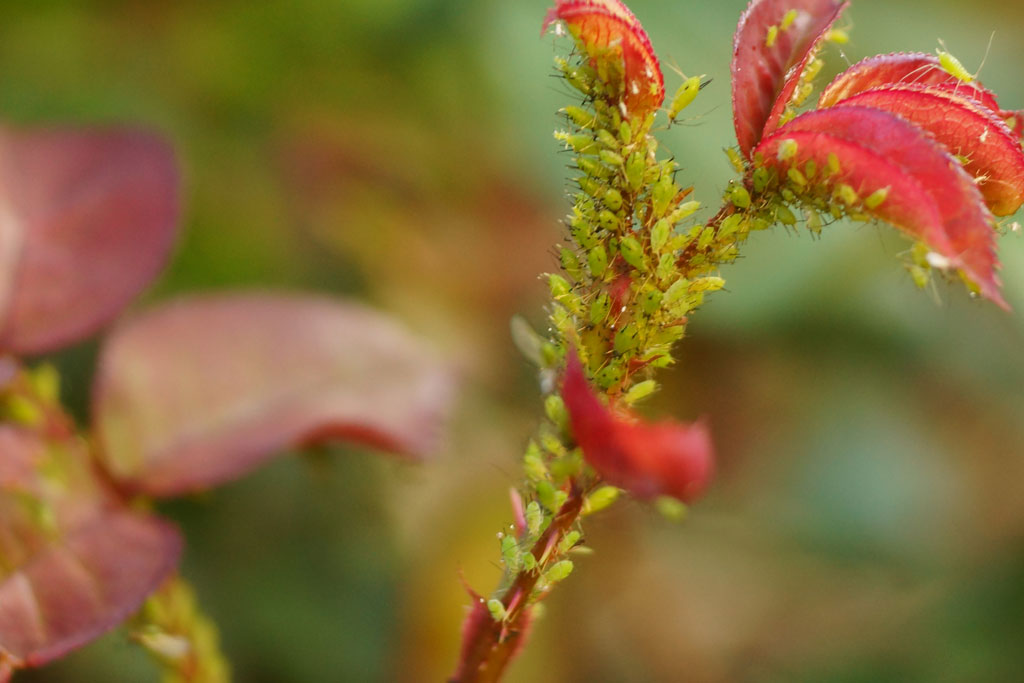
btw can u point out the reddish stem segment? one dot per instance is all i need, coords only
(493, 647)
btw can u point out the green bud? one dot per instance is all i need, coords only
(597, 260)
(633, 252)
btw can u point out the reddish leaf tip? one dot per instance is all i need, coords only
(647, 459)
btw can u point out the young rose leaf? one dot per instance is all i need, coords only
(966, 236)
(608, 25)
(202, 390)
(74, 563)
(989, 150)
(768, 60)
(87, 219)
(912, 68)
(647, 459)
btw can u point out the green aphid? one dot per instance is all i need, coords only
(534, 515)
(606, 138)
(953, 67)
(600, 499)
(580, 116)
(583, 233)
(609, 376)
(735, 159)
(609, 157)
(639, 391)
(797, 177)
(635, 166)
(660, 234)
(706, 284)
(730, 225)
(597, 260)
(599, 308)
(558, 285)
(626, 339)
(608, 220)
(558, 571)
(876, 198)
(613, 199)
(788, 19)
(497, 609)
(570, 263)
(784, 215)
(684, 96)
(650, 302)
(633, 252)
(554, 408)
(787, 149)
(740, 197)
(773, 34)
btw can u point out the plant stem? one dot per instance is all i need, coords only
(493, 647)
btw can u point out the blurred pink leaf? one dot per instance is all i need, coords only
(74, 562)
(205, 389)
(766, 71)
(87, 219)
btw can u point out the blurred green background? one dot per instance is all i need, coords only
(868, 520)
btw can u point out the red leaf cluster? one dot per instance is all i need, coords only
(647, 459)
(603, 25)
(937, 154)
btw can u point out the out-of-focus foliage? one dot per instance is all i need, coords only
(867, 522)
